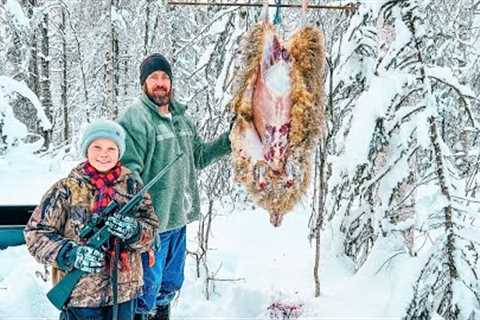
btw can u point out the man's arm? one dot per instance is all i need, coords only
(207, 153)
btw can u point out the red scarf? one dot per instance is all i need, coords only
(103, 182)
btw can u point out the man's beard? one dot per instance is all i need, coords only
(159, 99)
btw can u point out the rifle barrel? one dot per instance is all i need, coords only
(159, 175)
(136, 199)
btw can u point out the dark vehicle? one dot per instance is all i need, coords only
(12, 221)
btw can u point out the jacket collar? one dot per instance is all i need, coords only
(174, 107)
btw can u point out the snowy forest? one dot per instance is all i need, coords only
(396, 171)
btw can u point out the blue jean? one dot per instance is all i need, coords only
(162, 281)
(125, 312)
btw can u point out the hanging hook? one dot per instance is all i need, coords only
(277, 20)
(304, 6)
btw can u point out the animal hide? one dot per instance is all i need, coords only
(279, 106)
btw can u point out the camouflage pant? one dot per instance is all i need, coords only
(125, 312)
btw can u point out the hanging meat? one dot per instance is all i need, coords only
(279, 107)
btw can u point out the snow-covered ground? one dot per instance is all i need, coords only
(270, 264)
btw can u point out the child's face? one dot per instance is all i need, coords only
(103, 154)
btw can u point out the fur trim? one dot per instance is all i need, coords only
(307, 48)
(251, 50)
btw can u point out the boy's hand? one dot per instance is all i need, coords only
(88, 259)
(123, 227)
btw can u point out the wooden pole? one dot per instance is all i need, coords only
(349, 6)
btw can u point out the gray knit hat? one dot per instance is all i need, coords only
(103, 129)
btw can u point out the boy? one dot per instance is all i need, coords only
(52, 233)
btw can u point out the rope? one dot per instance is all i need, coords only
(304, 12)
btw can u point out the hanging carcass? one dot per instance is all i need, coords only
(279, 107)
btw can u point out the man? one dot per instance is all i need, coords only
(157, 131)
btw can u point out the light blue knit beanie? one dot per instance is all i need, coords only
(103, 129)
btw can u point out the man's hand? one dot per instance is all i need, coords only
(88, 259)
(123, 227)
(232, 122)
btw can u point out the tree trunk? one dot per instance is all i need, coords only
(33, 75)
(110, 105)
(46, 95)
(116, 72)
(126, 81)
(146, 35)
(318, 202)
(64, 84)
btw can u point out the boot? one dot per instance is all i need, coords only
(162, 313)
(139, 316)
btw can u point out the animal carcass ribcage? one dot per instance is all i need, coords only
(279, 106)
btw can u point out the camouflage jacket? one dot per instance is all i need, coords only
(62, 213)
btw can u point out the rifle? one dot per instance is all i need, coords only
(61, 292)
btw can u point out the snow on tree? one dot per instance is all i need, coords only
(13, 133)
(382, 185)
(353, 116)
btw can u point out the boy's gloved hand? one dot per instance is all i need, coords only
(123, 227)
(88, 259)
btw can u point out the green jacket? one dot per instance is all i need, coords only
(152, 141)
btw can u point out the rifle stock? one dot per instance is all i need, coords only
(61, 292)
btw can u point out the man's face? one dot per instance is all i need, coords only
(158, 87)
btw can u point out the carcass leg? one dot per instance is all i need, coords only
(293, 173)
(260, 170)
